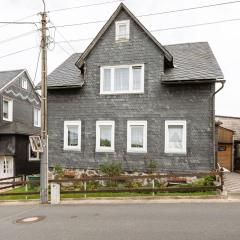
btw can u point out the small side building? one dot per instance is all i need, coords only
(225, 148)
(232, 123)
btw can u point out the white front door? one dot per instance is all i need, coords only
(6, 167)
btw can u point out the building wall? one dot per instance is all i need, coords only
(22, 108)
(159, 102)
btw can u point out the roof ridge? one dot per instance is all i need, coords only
(185, 43)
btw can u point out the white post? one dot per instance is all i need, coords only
(55, 193)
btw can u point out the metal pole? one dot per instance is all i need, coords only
(44, 137)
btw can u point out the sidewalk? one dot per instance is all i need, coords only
(232, 185)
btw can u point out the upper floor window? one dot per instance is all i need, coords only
(24, 83)
(7, 109)
(72, 135)
(175, 136)
(105, 136)
(122, 79)
(137, 136)
(37, 117)
(33, 156)
(122, 30)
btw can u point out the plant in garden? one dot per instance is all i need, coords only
(151, 166)
(58, 171)
(111, 169)
(205, 181)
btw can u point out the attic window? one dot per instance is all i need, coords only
(122, 30)
(24, 83)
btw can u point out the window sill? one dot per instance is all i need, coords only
(33, 160)
(7, 120)
(105, 150)
(72, 149)
(121, 93)
(175, 153)
(136, 151)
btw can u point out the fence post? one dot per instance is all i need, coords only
(221, 179)
(13, 184)
(153, 186)
(26, 187)
(85, 188)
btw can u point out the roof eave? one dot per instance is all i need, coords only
(191, 81)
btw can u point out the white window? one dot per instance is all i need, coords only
(105, 131)
(72, 135)
(7, 109)
(137, 136)
(122, 79)
(175, 136)
(24, 83)
(37, 117)
(32, 156)
(122, 30)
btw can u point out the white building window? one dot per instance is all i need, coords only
(105, 132)
(37, 117)
(175, 136)
(7, 109)
(72, 135)
(122, 30)
(137, 136)
(24, 83)
(33, 156)
(122, 79)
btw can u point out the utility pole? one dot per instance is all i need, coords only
(44, 135)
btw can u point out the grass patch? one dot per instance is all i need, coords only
(97, 195)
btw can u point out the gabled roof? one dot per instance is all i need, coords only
(7, 76)
(65, 75)
(192, 61)
(167, 54)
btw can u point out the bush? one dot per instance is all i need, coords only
(205, 181)
(58, 171)
(111, 169)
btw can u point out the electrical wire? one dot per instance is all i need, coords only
(166, 29)
(36, 70)
(153, 14)
(20, 51)
(82, 6)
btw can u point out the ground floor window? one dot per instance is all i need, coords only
(137, 136)
(72, 135)
(175, 136)
(105, 136)
(33, 156)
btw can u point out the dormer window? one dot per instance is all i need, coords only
(122, 30)
(24, 83)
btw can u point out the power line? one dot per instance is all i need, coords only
(17, 20)
(18, 36)
(153, 14)
(166, 29)
(36, 70)
(82, 6)
(20, 51)
(18, 23)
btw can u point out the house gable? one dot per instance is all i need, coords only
(168, 59)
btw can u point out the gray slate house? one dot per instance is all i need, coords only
(128, 98)
(19, 118)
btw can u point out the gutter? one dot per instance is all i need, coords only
(222, 81)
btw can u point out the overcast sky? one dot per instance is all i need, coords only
(224, 38)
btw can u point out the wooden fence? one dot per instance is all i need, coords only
(126, 178)
(6, 183)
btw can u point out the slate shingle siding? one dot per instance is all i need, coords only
(159, 102)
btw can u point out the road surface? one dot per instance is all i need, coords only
(181, 221)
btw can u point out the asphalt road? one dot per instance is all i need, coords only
(181, 221)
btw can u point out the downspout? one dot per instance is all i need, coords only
(222, 81)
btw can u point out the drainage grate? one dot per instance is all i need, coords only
(30, 219)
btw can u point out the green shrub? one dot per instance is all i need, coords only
(205, 181)
(58, 171)
(151, 166)
(111, 169)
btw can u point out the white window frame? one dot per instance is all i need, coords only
(112, 69)
(118, 38)
(31, 159)
(65, 144)
(10, 109)
(38, 116)
(100, 148)
(136, 123)
(24, 83)
(184, 137)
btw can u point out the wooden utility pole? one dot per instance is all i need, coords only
(44, 135)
